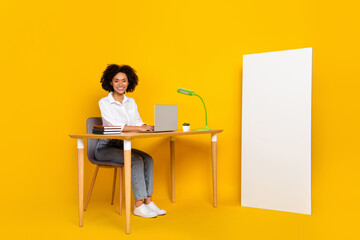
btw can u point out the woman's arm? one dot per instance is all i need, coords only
(137, 128)
(110, 119)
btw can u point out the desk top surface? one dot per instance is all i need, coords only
(132, 135)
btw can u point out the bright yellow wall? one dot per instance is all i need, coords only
(52, 56)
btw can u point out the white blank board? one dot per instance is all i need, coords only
(276, 131)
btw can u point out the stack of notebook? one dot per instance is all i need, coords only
(106, 130)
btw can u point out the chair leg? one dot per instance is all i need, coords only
(114, 184)
(91, 186)
(120, 188)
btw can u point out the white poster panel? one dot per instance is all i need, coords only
(276, 131)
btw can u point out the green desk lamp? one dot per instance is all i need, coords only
(191, 93)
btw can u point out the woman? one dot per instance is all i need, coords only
(119, 110)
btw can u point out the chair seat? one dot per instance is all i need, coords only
(107, 163)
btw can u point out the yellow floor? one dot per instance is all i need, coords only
(185, 220)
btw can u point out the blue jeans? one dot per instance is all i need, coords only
(142, 165)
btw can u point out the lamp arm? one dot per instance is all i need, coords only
(205, 110)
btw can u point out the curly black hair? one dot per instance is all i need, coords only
(112, 70)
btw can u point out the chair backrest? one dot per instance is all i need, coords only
(91, 143)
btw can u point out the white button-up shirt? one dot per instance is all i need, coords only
(114, 113)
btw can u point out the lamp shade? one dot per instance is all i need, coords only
(185, 91)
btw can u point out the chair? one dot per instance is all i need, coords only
(91, 145)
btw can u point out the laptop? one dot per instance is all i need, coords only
(165, 118)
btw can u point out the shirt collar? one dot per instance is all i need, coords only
(112, 100)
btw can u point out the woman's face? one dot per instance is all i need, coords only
(120, 83)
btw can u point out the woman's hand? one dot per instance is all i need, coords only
(146, 128)
(137, 128)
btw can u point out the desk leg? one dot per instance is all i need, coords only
(172, 167)
(214, 165)
(127, 167)
(80, 158)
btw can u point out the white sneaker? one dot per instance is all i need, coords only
(155, 209)
(144, 211)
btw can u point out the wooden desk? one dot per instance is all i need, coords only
(128, 137)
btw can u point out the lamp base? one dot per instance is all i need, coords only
(202, 129)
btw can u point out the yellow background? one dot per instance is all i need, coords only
(52, 57)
